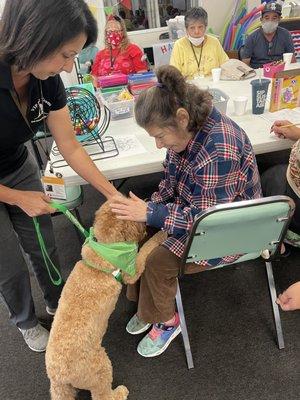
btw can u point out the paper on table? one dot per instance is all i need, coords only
(292, 115)
(129, 145)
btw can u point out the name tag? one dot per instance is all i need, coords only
(54, 187)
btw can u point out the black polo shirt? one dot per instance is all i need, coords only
(14, 131)
(261, 52)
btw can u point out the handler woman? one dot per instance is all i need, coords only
(38, 40)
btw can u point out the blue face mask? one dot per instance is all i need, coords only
(121, 255)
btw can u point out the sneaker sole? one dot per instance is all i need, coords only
(50, 312)
(160, 351)
(144, 329)
(35, 350)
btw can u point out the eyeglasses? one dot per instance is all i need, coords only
(110, 31)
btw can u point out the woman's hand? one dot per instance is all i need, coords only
(289, 300)
(33, 203)
(131, 209)
(292, 132)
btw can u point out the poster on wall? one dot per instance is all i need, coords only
(162, 52)
(285, 92)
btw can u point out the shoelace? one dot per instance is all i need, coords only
(156, 331)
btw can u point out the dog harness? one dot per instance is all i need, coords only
(121, 255)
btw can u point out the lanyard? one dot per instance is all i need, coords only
(113, 59)
(16, 100)
(196, 59)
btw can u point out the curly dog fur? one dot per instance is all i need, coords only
(74, 356)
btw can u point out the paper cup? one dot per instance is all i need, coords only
(216, 74)
(287, 58)
(240, 104)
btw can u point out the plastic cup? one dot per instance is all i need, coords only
(259, 95)
(240, 104)
(287, 58)
(216, 74)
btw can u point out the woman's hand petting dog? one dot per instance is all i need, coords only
(130, 209)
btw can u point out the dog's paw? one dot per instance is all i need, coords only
(120, 393)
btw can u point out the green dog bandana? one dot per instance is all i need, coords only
(121, 255)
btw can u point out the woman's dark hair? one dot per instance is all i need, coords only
(30, 30)
(196, 14)
(157, 106)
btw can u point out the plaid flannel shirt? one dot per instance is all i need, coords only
(218, 166)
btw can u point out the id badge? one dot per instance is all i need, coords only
(54, 187)
(199, 76)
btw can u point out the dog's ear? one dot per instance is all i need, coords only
(109, 229)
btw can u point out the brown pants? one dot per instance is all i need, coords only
(155, 291)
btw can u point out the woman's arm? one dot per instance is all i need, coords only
(291, 132)
(32, 203)
(177, 219)
(61, 128)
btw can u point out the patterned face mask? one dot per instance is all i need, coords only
(114, 38)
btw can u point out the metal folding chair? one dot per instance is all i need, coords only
(251, 228)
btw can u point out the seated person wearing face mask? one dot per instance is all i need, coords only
(196, 54)
(269, 42)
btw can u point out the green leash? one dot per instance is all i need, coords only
(120, 254)
(47, 260)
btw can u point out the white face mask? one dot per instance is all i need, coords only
(269, 26)
(196, 41)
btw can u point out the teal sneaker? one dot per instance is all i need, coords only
(158, 339)
(136, 326)
(292, 238)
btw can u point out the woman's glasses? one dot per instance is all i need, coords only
(110, 31)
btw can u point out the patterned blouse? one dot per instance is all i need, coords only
(218, 166)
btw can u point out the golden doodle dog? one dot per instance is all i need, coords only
(75, 358)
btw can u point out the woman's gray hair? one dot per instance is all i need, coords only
(196, 14)
(158, 105)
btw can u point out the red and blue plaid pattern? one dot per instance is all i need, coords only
(218, 166)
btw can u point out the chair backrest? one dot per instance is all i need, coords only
(240, 227)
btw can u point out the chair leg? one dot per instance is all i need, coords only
(276, 314)
(184, 332)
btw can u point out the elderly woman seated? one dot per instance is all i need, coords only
(197, 53)
(119, 55)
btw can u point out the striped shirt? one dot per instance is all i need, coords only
(218, 166)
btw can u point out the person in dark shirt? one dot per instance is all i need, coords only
(38, 40)
(270, 41)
